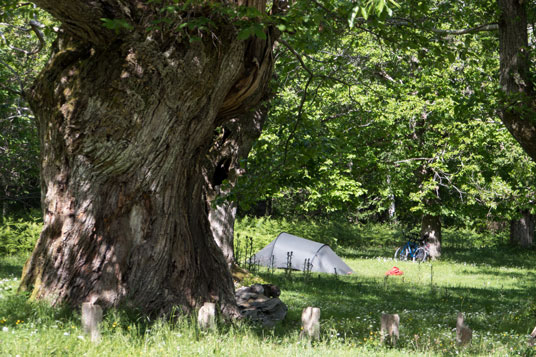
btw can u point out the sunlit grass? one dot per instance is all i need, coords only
(492, 284)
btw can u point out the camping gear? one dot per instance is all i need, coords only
(394, 271)
(290, 251)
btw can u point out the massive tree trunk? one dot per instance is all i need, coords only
(126, 122)
(224, 165)
(519, 102)
(431, 229)
(522, 230)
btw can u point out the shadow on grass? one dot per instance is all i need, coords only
(351, 305)
(527, 278)
(367, 252)
(354, 304)
(11, 266)
(501, 256)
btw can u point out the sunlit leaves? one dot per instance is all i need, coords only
(19, 64)
(372, 7)
(388, 102)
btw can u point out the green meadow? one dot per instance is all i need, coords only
(493, 286)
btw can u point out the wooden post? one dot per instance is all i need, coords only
(532, 338)
(91, 318)
(310, 323)
(389, 327)
(206, 318)
(463, 333)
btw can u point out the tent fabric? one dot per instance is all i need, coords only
(322, 258)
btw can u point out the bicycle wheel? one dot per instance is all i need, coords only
(420, 255)
(401, 253)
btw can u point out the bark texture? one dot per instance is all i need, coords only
(522, 230)
(431, 229)
(225, 163)
(126, 123)
(519, 102)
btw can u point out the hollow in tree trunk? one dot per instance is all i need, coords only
(126, 121)
(431, 230)
(225, 163)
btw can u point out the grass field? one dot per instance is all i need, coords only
(495, 288)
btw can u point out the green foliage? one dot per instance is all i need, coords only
(22, 55)
(265, 229)
(117, 25)
(195, 19)
(19, 235)
(372, 7)
(343, 237)
(381, 116)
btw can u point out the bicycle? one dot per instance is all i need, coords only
(415, 249)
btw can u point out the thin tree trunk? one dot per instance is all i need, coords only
(522, 230)
(3, 212)
(5, 209)
(126, 125)
(431, 230)
(392, 206)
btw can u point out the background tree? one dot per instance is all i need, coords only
(24, 31)
(390, 114)
(517, 72)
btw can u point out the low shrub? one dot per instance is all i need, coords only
(18, 235)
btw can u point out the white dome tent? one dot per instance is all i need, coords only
(322, 258)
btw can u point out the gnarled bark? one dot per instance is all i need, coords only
(224, 165)
(126, 123)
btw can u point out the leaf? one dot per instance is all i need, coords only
(351, 21)
(245, 33)
(194, 39)
(252, 12)
(380, 6)
(364, 13)
(116, 24)
(259, 32)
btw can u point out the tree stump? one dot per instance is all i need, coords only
(206, 318)
(463, 333)
(390, 327)
(311, 323)
(91, 318)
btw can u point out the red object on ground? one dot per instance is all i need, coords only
(394, 271)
